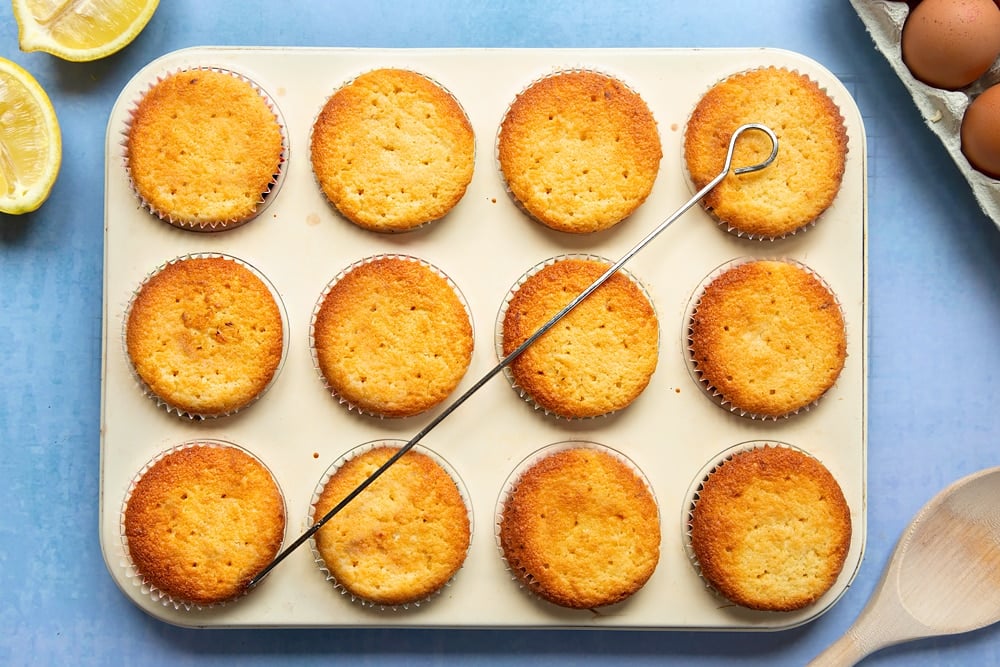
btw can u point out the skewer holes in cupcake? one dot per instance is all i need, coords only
(205, 335)
(204, 148)
(766, 337)
(200, 522)
(599, 357)
(400, 541)
(578, 526)
(579, 151)
(392, 336)
(392, 150)
(769, 527)
(806, 175)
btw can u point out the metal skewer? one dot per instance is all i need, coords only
(533, 337)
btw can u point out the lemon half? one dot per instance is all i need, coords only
(80, 30)
(30, 141)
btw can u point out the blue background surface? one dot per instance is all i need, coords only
(934, 362)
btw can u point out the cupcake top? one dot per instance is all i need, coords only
(203, 521)
(392, 150)
(392, 337)
(770, 529)
(805, 177)
(580, 529)
(205, 335)
(579, 151)
(203, 148)
(599, 357)
(767, 337)
(401, 540)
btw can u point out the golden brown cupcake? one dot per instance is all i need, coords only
(393, 150)
(402, 539)
(579, 151)
(202, 521)
(203, 149)
(805, 177)
(205, 335)
(770, 529)
(767, 338)
(599, 357)
(580, 528)
(392, 337)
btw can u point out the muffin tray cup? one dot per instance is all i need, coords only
(131, 573)
(501, 315)
(312, 517)
(484, 245)
(265, 197)
(942, 110)
(166, 405)
(510, 486)
(329, 287)
(709, 390)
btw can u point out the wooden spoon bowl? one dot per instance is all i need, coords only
(943, 577)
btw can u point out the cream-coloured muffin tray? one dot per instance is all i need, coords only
(942, 109)
(484, 245)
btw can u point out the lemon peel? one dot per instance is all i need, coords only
(30, 141)
(80, 30)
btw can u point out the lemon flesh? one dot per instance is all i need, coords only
(30, 141)
(80, 30)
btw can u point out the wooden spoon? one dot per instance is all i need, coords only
(943, 578)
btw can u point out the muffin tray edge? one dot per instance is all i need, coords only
(299, 242)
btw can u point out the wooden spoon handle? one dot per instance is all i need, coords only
(845, 651)
(883, 622)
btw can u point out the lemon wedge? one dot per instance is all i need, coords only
(80, 30)
(30, 141)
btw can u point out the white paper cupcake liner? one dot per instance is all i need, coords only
(162, 402)
(511, 483)
(502, 313)
(312, 517)
(137, 578)
(724, 224)
(707, 388)
(348, 404)
(266, 196)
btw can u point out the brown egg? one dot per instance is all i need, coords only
(951, 43)
(981, 132)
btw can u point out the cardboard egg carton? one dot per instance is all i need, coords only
(942, 109)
